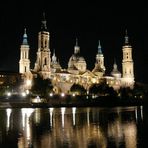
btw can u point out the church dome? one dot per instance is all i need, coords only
(98, 69)
(115, 72)
(81, 59)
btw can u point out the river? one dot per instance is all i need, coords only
(88, 127)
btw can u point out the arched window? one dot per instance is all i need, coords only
(25, 69)
(45, 61)
(45, 43)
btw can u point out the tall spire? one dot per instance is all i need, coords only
(76, 41)
(25, 42)
(115, 65)
(126, 38)
(44, 25)
(76, 47)
(99, 48)
(115, 72)
(54, 58)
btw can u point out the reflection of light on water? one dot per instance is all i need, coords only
(115, 131)
(88, 116)
(141, 112)
(26, 113)
(51, 113)
(23, 117)
(8, 111)
(37, 115)
(136, 116)
(63, 112)
(27, 129)
(73, 115)
(130, 133)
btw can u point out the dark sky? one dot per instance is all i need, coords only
(88, 21)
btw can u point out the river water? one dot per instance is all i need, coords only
(92, 127)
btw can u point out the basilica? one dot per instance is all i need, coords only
(47, 65)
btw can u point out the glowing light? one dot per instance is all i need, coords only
(27, 91)
(36, 100)
(23, 94)
(28, 82)
(51, 110)
(73, 94)
(8, 94)
(26, 113)
(62, 95)
(51, 94)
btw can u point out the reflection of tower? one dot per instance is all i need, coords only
(43, 60)
(51, 114)
(88, 120)
(26, 113)
(130, 134)
(127, 64)
(24, 63)
(37, 116)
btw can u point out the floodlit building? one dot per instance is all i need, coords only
(47, 65)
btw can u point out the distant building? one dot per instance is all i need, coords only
(10, 80)
(76, 72)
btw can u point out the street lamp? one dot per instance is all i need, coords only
(28, 82)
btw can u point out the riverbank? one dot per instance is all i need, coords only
(70, 101)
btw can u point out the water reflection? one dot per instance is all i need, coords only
(8, 111)
(70, 127)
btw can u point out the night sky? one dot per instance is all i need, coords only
(89, 22)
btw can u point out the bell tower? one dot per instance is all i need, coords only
(43, 61)
(100, 57)
(24, 63)
(127, 64)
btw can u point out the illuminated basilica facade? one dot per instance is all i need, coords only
(47, 65)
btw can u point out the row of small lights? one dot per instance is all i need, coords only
(23, 94)
(62, 94)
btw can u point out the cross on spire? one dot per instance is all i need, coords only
(126, 38)
(76, 41)
(25, 42)
(99, 47)
(44, 23)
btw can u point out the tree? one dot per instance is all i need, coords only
(79, 89)
(41, 87)
(139, 90)
(125, 92)
(102, 89)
